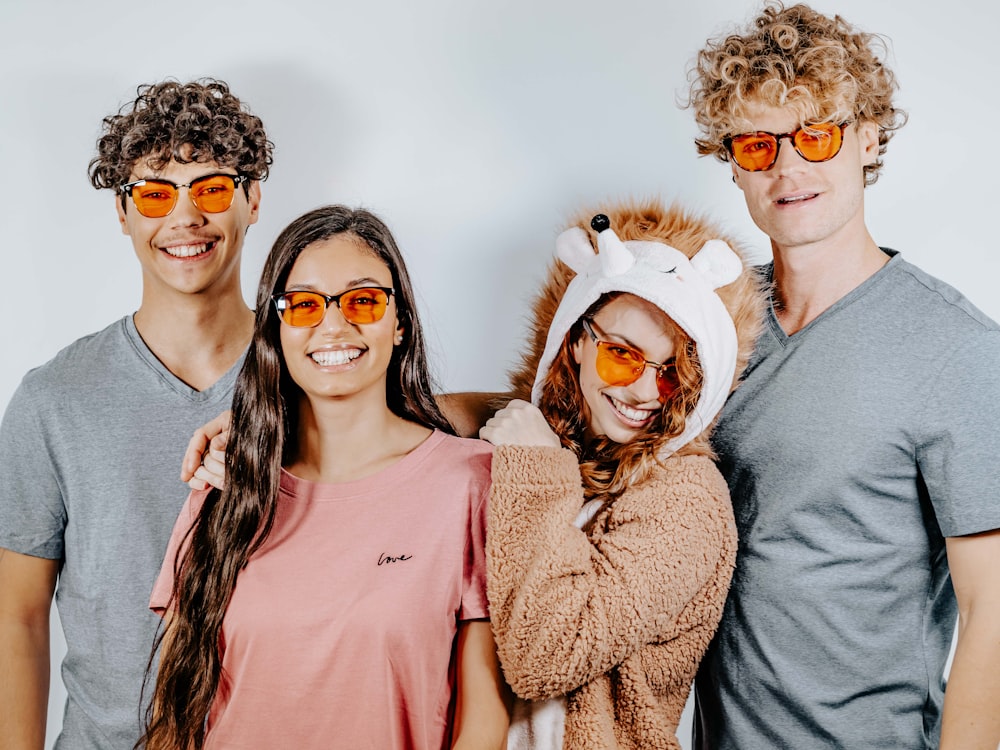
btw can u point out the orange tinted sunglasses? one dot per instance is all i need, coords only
(307, 309)
(619, 364)
(212, 193)
(758, 151)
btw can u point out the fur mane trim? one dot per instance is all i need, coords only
(649, 220)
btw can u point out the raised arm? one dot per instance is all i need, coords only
(26, 587)
(567, 608)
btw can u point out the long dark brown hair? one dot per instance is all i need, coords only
(235, 522)
(607, 467)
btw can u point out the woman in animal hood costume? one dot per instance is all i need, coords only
(609, 561)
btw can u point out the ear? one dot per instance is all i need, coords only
(253, 201)
(398, 333)
(736, 173)
(119, 209)
(576, 349)
(868, 141)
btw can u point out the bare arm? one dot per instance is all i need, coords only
(469, 411)
(26, 587)
(204, 460)
(482, 706)
(971, 717)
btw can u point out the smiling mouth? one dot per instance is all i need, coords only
(332, 358)
(188, 251)
(629, 414)
(796, 199)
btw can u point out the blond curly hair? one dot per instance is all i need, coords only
(822, 68)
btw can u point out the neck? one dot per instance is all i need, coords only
(197, 337)
(809, 279)
(344, 439)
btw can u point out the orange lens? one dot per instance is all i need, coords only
(154, 198)
(213, 194)
(755, 151)
(617, 364)
(622, 365)
(307, 309)
(818, 142)
(303, 309)
(363, 305)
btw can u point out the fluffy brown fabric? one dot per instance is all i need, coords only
(647, 220)
(615, 617)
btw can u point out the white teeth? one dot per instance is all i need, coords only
(795, 199)
(630, 413)
(186, 251)
(339, 357)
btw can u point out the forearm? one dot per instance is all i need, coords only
(971, 717)
(482, 704)
(24, 684)
(469, 411)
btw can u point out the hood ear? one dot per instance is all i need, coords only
(717, 263)
(574, 249)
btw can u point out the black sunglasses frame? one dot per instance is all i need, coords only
(238, 179)
(281, 303)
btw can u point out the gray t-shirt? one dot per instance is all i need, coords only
(90, 451)
(852, 449)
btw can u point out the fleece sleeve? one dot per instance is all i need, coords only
(565, 609)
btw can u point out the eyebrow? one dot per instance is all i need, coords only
(621, 339)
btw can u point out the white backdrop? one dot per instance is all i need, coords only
(473, 128)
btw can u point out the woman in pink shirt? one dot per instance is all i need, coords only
(333, 594)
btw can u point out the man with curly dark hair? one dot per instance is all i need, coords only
(91, 441)
(861, 447)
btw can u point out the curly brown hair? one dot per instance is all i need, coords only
(197, 121)
(822, 68)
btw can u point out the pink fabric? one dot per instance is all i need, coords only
(340, 631)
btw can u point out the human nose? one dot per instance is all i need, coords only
(787, 159)
(333, 319)
(645, 389)
(185, 212)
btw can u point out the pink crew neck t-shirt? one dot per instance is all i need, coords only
(341, 629)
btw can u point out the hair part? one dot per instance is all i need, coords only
(821, 68)
(234, 523)
(607, 467)
(199, 121)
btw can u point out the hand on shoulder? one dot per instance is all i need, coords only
(519, 423)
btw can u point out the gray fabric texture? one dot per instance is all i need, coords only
(90, 452)
(852, 449)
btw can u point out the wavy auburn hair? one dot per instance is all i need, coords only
(234, 523)
(823, 68)
(607, 467)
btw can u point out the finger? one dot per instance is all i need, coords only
(210, 478)
(192, 454)
(197, 484)
(202, 438)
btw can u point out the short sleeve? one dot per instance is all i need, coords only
(32, 511)
(163, 589)
(958, 451)
(474, 605)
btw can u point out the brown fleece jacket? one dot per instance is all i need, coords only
(616, 617)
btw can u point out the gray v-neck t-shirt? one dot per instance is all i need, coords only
(90, 452)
